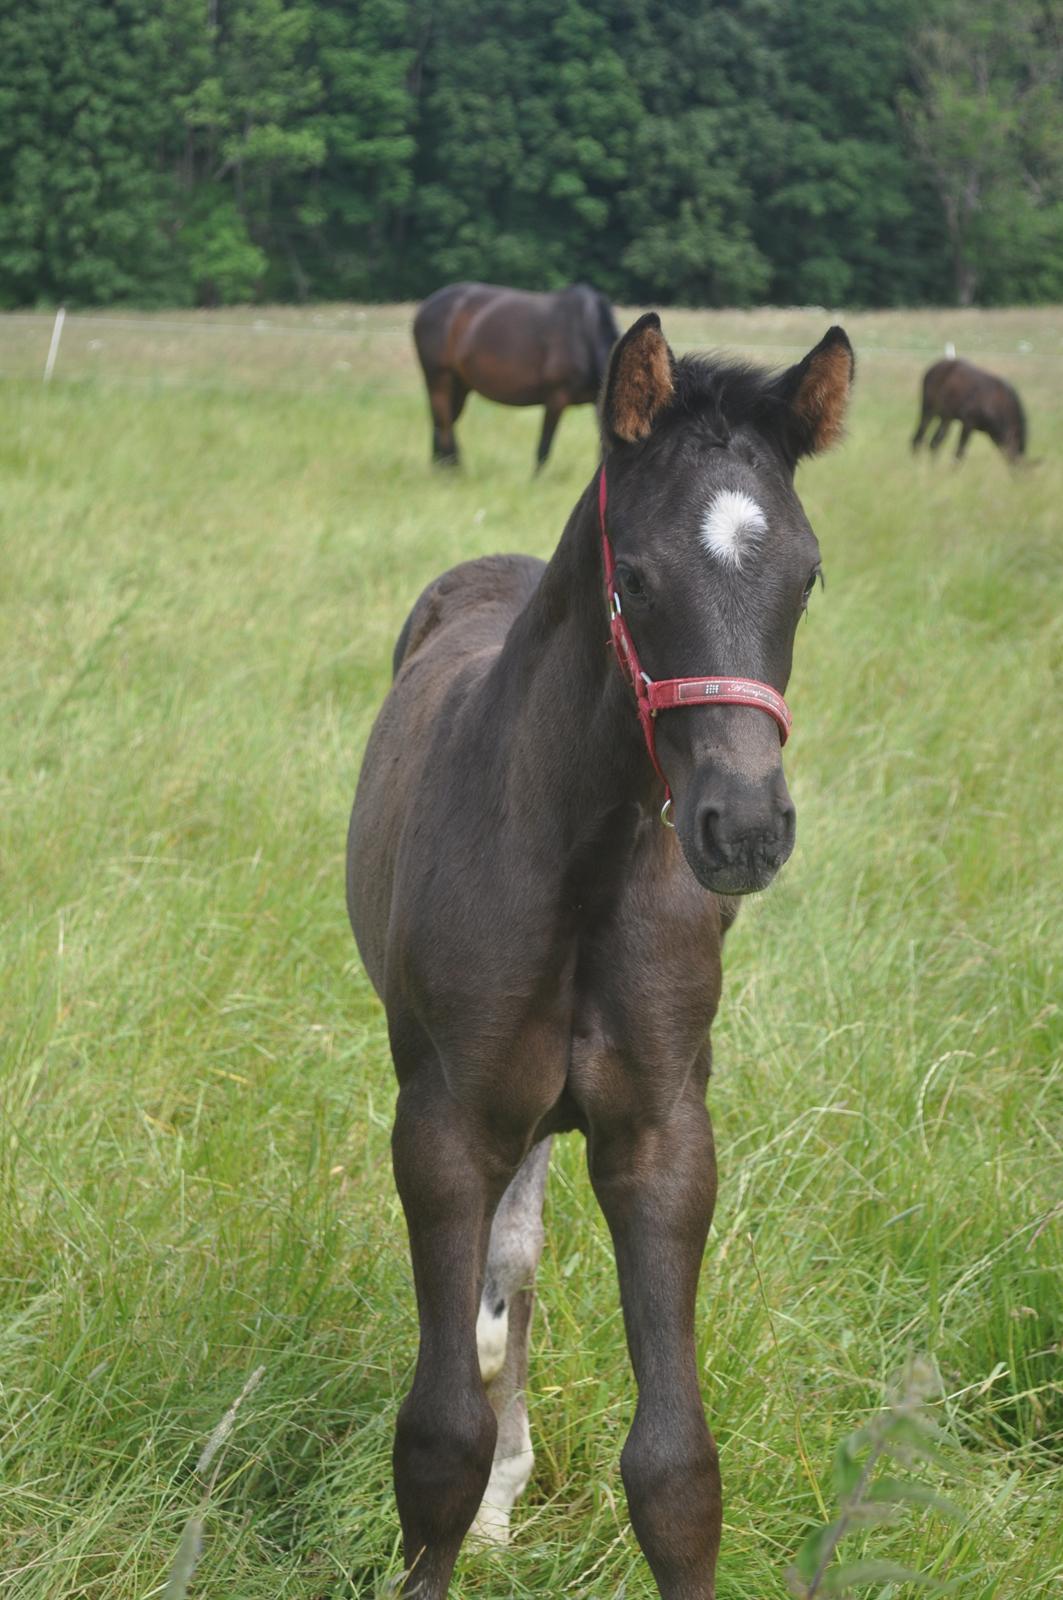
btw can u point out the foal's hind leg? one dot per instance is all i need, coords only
(503, 1330)
(450, 1177)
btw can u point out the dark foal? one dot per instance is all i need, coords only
(548, 953)
(517, 348)
(956, 391)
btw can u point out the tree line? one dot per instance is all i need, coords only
(700, 152)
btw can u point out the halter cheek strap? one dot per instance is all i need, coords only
(668, 694)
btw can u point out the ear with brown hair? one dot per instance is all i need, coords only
(815, 394)
(639, 384)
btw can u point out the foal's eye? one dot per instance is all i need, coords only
(814, 577)
(630, 582)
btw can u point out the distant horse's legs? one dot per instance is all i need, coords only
(965, 433)
(924, 423)
(656, 1184)
(446, 397)
(459, 393)
(449, 1179)
(503, 1328)
(551, 417)
(938, 435)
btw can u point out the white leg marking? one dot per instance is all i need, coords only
(491, 1334)
(508, 1480)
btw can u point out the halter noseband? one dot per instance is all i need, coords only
(667, 694)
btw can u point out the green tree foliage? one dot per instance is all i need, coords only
(692, 151)
(244, 140)
(985, 116)
(84, 206)
(844, 207)
(353, 218)
(524, 138)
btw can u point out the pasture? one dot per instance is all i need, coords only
(212, 531)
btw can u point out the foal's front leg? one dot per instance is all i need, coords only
(657, 1186)
(450, 1177)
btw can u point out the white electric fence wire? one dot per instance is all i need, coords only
(357, 330)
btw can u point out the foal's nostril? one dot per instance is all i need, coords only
(709, 831)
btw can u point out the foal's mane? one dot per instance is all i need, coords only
(724, 394)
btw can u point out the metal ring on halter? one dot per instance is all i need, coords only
(665, 818)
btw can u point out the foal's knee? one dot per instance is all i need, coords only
(665, 1458)
(444, 1446)
(671, 1477)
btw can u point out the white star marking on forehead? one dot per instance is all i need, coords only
(731, 524)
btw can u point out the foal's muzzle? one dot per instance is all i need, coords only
(737, 833)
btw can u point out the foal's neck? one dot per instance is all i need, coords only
(577, 762)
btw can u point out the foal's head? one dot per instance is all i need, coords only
(716, 562)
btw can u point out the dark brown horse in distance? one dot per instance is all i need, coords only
(518, 348)
(956, 391)
(548, 954)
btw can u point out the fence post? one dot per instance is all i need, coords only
(53, 348)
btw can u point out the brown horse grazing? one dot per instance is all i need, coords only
(548, 954)
(956, 391)
(517, 348)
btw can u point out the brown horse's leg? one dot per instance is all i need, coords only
(551, 417)
(938, 435)
(924, 423)
(459, 393)
(965, 434)
(503, 1328)
(441, 393)
(450, 1180)
(657, 1186)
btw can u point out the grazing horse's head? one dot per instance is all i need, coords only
(716, 562)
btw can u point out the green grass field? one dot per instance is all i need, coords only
(211, 535)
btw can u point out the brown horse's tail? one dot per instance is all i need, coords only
(610, 328)
(606, 332)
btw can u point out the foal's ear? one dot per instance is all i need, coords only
(639, 384)
(815, 394)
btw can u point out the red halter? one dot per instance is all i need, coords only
(668, 694)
